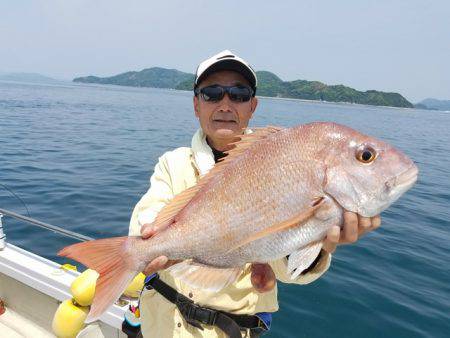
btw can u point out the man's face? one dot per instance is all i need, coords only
(224, 119)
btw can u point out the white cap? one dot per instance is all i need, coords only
(226, 60)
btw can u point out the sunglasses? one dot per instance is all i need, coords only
(216, 93)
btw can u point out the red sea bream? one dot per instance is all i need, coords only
(275, 194)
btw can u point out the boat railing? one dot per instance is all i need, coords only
(35, 222)
(46, 276)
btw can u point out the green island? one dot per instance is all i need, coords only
(269, 85)
(433, 104)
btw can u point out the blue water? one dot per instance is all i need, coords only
(81, 156)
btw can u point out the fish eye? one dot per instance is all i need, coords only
(366, 154)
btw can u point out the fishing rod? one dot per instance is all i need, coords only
(29, 219)
(44, 225)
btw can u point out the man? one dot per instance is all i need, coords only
(224, 102)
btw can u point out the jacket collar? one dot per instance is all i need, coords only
(202, 152)
(203, 155)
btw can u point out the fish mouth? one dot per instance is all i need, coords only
(403, 182)
(408, 177)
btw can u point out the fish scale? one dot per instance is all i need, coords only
(256, 212)
(275, 194)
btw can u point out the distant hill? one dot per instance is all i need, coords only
(434, 104)
(27, 77)
(269, 84)
(272, 85)
(152, 77)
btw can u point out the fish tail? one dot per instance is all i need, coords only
(110, 257)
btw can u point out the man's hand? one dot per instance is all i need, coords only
(159, 263)
(262, 277)
(354, 227)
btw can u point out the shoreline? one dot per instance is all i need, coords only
(330, 102)
(341, 103)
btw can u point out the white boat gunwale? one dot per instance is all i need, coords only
(47, 277)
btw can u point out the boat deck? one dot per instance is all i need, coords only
(13, 325)
(32, 288)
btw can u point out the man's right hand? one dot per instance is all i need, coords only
(159, 263)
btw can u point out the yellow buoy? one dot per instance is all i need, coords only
(135, 287)
(83, 287)
(69, 319)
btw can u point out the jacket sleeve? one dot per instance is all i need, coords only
(280, 269)
(159, 194)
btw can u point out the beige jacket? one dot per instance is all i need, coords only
(176, 171)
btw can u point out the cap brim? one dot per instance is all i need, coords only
(229, 64)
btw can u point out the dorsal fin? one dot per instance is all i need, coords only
(168, 214)
(245, 141)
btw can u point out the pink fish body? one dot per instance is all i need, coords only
(275, 194)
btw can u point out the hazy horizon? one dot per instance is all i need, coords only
(400, 46)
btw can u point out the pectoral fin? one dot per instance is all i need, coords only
(204, 277)
(303, 258)
(298, 219)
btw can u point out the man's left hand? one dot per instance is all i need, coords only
(263, 278)
(353, 228)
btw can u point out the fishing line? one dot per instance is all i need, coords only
(47, 226)
(16, 196)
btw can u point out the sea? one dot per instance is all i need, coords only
(80, 156)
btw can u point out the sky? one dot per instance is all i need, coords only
(388, 45)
